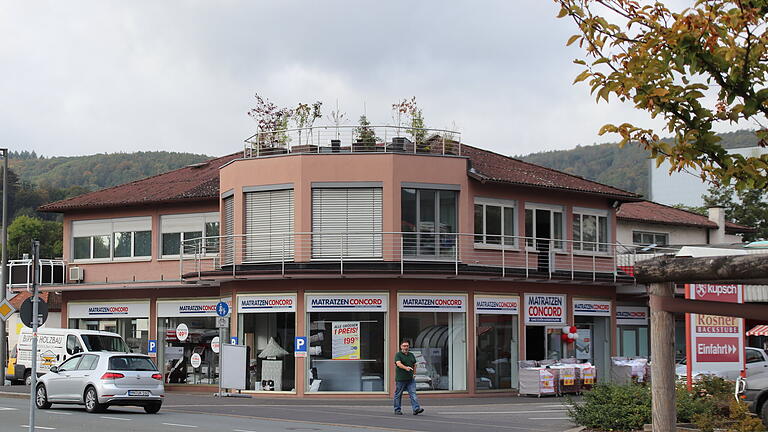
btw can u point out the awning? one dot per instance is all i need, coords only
(759, 330)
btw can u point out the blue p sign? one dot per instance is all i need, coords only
(300, 346)
(152, 346)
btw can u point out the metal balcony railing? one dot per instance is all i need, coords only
(51, 272)
(401, 253)
(353, 139)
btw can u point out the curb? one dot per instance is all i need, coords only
(576, 429)
(14, 395)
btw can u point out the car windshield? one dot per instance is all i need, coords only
(105, 343)
(128, 363)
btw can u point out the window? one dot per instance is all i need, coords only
(432, 215)
(130, 363)
(70, 364)
(269, 225)
(590, 230)
(104, 343)
(645, 238)
(346, 222)
(112, 239)
(754, 356)
(494, 222)
(543, 224)
(88, 362)
(192, 231)
(73, 345)
(228, 230)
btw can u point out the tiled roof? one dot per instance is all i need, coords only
(490, 166)
(651, 212)
(53, 300)
(197, 182)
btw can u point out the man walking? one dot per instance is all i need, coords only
(405, 362)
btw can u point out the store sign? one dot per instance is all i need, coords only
(632, 315)
(108, 310)
(347, 303)
(544, 309)
(195, 360)
(215, 344)
(433, 303)
(345, 342)
(715, 343)
(182, 332)
(592, 307)
(266, 303)
(187, 308)
(584, 344)
(496, 305)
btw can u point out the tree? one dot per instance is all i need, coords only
(365, 133)
(269, 118)
(750, 208)
(24, 229)
(670, 64)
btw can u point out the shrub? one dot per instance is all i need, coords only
(611, 407)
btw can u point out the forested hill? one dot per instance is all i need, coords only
(625, 168)
(97, 171)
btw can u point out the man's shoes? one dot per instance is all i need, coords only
(400, 412)
(418, 411)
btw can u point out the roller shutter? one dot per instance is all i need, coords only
(269, 225)
(347, 219)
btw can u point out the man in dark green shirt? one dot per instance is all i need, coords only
(405, 369)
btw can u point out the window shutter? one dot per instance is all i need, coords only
(269, 225)
(352, 216)
(228, 230)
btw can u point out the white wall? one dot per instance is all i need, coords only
(14, 326)
(678, 235)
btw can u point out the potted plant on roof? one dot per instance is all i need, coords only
(337, 118)
(365, 137)
(401, 110)
(304, 115)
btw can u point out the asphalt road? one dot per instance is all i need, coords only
(205, 413)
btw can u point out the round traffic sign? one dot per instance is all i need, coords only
(222, 309)
(26, 312)
(215, 344)
(182, 332)
(195, 360)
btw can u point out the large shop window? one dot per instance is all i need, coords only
(432, 216)
(544, 226)
(346, 222)
(497, 342)
(593, 321)
(185, 330)
(267, 326)
(632, 331)
(129, 319)
(197, 232)
(545, 316)
(495, 222)
(346, 342)
(269, 225)
(112, 239)
(590, 230)
(436, 327)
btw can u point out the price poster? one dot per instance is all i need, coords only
(345, 340)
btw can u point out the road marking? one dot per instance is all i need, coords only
(39, 427)
(58, 412)
(8, 409)
(241, 430)
(114, 418)
(180, 425)
(503, 412)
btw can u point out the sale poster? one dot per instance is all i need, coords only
(345, 341)
(584, 344)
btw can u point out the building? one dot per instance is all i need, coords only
(356, 243)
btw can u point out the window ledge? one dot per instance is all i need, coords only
(110, 261)
(512, 248)
(186, 257)
(595, 254)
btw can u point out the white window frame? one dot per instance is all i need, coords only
(653, 233)
(108, 228)
(583, 211)
(504, 204)
(198, 219)
(553, 208)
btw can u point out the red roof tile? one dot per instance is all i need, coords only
(651, 212)
(199, 182)
(490, 166)
(53, 300)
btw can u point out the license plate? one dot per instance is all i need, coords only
(138, 393)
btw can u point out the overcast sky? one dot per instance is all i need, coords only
(82, 77)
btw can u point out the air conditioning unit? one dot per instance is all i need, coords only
(76, 274)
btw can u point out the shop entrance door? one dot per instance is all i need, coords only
(535, 343)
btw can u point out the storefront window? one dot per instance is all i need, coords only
(267, 326)
(436, 327)
(545, 316)
(346, 342)
(185, 330)
(128, 319)
(497, 342)
(593, 323)
(632, 331)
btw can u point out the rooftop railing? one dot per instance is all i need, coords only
(353, 139)
(405, 253)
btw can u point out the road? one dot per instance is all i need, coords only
(205, 413)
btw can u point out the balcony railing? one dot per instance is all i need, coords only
(51, 272)
(353, 139)
(404, 253)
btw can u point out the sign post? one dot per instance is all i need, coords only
(222, 310)
(35, 320)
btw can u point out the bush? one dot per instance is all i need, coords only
(611, 407)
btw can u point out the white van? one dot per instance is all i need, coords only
(56, 345)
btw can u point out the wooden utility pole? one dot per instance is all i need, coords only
(663, 361)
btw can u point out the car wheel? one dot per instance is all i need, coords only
(92, 404)
(41, 398)
(28, 378)
(764, 413)
(152, 409)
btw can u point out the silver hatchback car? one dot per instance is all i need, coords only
(101, 379)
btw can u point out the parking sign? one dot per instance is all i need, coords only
(300, 346)
(152, 347)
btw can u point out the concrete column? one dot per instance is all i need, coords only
(663, 361)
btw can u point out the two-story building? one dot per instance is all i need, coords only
(478, 259)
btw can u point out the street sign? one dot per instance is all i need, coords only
(300, 346)
(6, 310)
(233, 340)
(26, 312)
(222, 309)
(222, 322)
(152, 347)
